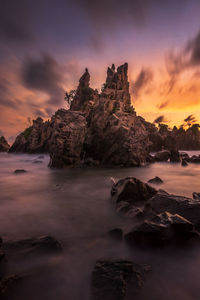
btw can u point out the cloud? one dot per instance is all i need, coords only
(15, 21)
(44, 75)
(160, 119)
(163, 104)
(187, 58)
(142, 80)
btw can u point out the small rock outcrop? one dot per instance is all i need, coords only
(4, 146)
(34, 139)
(155, 180)
(162, 156)
(112, 279)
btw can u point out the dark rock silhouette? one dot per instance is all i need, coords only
(4, 146)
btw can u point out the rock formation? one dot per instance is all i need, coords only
(34, 139)
(98, 128)
(4, 146)
(161, 217)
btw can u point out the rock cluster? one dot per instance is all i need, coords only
(4, 146)
(161, 217)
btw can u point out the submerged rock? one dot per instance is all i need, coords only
(20, 171)
(4, 146)
(112, 279)
(156, 180)
(43, 244)
(196, 196)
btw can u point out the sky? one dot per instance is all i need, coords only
(45, 45)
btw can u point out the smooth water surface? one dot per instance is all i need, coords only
(74, 206)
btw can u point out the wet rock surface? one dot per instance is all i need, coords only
(113, 279)
(20, 171)
(163, 217)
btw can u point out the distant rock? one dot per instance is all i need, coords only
(184, 163)
(174, 156)
(163, 155)
(196, 196)
(20, 171)
(4, 146)
(37, 161)
(156, 180)
(34, 139)
(112, 279)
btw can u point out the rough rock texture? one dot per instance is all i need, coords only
(130, 195)
(174, 156)
(34, 139)
(67, 139)
(111, 279)
(4, 146)
(162, 229)
(157, 210)
(99, 129)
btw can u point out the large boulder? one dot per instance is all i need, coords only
(4, 146)
(112, 279)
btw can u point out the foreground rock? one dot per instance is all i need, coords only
(161, 214)
(4, 146)
(112, 279)
(163, 229)
(131, 194)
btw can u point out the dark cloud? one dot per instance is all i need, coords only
(163, 104)
(111, 13)
(15, 21)
(6, 98)
(160, 119)
(142, 80)
(187, 57)
(45, 75)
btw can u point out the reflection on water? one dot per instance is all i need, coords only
(73, 206)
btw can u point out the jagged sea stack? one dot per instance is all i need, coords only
(4, 146)
(98, 128)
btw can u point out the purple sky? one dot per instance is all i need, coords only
(45, 46)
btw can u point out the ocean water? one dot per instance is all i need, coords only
(73, 205)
